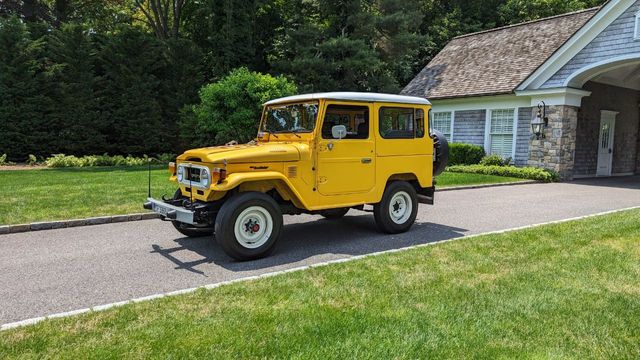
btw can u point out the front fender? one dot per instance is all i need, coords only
(234, 180)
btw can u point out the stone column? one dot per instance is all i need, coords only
(557, 149)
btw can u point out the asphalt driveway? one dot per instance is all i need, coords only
(52, 271)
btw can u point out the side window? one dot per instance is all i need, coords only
(354, 118)
(419, 123)
(401, 123)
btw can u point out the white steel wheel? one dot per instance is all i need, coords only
(253, 227)
(400, 207)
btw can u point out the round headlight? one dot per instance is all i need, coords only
(204, 177)
(180, 173)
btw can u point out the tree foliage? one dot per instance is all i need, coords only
(230, 109)
(121, 76)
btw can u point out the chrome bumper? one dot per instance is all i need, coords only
(169, 211)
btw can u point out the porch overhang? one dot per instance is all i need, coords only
(556, 96)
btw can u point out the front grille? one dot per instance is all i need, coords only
(193, 174)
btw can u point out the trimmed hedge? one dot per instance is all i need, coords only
(530, 173)
(465, 154)
(62, 160)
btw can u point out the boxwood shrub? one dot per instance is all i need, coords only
(465, 154)
(62, 160)
(530, 173)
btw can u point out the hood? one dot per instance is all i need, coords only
(254, 153)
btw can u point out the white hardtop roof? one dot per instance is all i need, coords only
(352, 96)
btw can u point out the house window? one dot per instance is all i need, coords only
(501, 132)
(442, 122)
(637, 31)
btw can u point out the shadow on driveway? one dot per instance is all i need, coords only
(352, 235)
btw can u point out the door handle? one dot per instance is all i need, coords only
(610, 151)
(366, 161)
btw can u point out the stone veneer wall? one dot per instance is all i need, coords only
(608, 97)
(556, 151)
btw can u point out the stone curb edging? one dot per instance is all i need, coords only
(49, 225)
(482, 186)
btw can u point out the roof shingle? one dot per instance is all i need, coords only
(495, 61)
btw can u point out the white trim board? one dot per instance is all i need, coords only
(603, 18)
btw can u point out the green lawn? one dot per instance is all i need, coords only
(59, 194)
(569, 290)
(449, 179)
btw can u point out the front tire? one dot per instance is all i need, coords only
(398, 209)
(248, 226)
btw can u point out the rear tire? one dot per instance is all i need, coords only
(334, 214)
(248, 226)
(398, 209)
(187, 229)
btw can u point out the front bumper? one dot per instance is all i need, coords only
(170, 212)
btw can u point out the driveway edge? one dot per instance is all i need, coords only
(60, 224)
(49, 225)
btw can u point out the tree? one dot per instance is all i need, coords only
(515, 11)
(162, 16)
(24, 106)
(230, 108)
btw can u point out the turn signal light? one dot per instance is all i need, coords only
(172, 168)
(219, 174)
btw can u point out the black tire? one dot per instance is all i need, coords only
(440, 152)
(381, 211)
(228, 216)
(190, 230)
(334, 214)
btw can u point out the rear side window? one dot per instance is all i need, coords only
(401, 123)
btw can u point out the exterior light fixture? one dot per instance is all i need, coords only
(541, 121)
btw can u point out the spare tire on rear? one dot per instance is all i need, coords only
(440, 152)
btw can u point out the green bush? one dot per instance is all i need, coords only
(32, 160)
(465, 154)
(530, 173)
(230, 108)
(3, 160)
(495, 160)
(62, 160)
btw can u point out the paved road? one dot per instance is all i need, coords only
(52, 271)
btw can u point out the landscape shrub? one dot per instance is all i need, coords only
(3, 160)
(62, 160)
(530, 173)
(230, 108)
(465, 154)
(32, 160)
(495, 160)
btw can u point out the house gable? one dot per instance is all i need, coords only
(608, 25)
(616, 41)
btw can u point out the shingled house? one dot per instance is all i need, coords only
(487, 87)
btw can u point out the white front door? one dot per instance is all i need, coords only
(605, 143)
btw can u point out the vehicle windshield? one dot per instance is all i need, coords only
(290, 118)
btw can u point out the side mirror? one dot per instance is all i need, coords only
(339, 131)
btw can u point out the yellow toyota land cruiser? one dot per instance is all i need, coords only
(315, 154)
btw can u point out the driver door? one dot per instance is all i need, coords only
(347, 166)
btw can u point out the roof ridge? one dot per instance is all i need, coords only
(528, 22)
